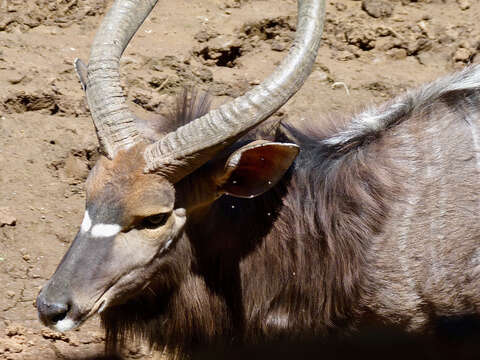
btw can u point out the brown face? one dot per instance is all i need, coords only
(129, 223)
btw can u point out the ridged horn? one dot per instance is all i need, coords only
(114, 122)
(182, 151)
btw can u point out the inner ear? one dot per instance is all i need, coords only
(256, 167)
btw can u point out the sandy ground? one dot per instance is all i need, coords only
(372, 50)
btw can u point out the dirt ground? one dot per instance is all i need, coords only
(372, 50)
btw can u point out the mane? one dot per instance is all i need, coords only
(370, 123)
(190, 104)
(336, 203)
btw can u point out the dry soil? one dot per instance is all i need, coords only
(372, 50)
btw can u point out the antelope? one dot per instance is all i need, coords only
(205, 229)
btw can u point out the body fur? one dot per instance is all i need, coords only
(376, 222)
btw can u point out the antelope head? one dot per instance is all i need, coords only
(135, 211)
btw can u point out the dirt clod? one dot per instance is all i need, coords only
(220, 52)
(6, 217)
(9, 346)
(205, 35)
(54, 335)
(462, 55)
(75, 167)
(464, 4)
(39, 100)
(15, 329)
(16, 78)
(364, 40)
(279, 46)
(377, 8)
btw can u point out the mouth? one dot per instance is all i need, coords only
(65, 325)
(68, 323)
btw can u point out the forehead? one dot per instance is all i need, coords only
(118, 189)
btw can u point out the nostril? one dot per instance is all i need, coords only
(57, 312)
(51, 313)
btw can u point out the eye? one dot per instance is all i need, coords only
(155, 221)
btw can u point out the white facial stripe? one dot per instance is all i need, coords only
(166, 246)
(65, 325)
(86, 223)
(105, 230)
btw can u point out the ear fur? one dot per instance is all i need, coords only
(256, 167)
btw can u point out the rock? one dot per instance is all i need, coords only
(377, 8)
(6, 217)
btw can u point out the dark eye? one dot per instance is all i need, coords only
(154, 221)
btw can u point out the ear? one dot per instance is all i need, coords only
(81, 70)
(256, 167)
